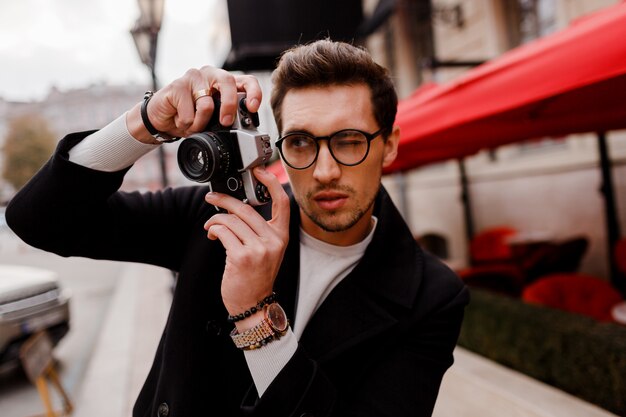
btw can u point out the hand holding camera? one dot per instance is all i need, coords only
(174, 111)
(225, 156)
(220, 154)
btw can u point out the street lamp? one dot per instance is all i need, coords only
(145, 34)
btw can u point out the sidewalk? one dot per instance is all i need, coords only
(127, 343)
(478, 387)
(473, 387)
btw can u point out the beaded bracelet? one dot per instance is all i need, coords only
(267, 300)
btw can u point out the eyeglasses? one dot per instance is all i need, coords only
(348, 147)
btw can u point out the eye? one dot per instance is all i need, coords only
(348, 139)
(298, 142)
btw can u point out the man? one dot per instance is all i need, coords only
(372, 318)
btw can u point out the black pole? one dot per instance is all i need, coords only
(466, 201)
(612, 223)
(155, 86)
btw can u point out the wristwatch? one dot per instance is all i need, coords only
(272, 327)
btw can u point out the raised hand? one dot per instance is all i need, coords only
(254, 246)
(185, 105)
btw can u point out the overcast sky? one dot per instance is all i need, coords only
(74, 43)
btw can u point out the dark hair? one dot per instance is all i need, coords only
(325, 63)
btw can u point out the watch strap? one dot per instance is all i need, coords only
(254, 338)
(264, 332)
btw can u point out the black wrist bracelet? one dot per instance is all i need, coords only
(159, 136)
(144, 113)
(258, 307)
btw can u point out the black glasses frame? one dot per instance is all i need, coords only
(317, 139)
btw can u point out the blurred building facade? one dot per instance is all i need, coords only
(86, 109)
(549, 187)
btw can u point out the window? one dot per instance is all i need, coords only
(527, 20)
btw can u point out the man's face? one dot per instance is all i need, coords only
(336, 201)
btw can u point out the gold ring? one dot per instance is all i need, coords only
(201, 93)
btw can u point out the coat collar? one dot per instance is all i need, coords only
(362, 305)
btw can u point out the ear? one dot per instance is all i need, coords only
(391, 147)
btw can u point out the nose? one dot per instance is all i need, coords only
(326, 169)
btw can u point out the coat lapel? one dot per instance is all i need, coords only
(370, 299)
(346, 318)
(286, 284)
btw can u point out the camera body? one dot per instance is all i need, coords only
(224, 156)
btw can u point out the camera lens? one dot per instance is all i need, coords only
(202, 156)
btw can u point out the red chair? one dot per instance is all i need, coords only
(552, 258)
(492, 265)
(576, 293)
(491, 245)
(502, 278)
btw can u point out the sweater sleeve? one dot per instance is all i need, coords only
(110, 149)
(266, 363)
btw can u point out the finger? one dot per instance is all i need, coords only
(204, 109)
(225, 83)
(227, 237)
(240, 209)
(254, 94)
(186, 107)
(237, 226)
(280, 199)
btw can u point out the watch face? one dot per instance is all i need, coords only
(277, 317)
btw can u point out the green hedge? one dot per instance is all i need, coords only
(571, 352)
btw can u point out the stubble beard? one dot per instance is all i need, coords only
(330, 221)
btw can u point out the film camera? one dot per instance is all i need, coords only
(224, 156)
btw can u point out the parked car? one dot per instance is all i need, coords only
(30, 300)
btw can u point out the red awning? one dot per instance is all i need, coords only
(570, 82)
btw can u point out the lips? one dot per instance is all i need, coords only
(330, 200)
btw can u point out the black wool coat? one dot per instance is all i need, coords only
(378, 345)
